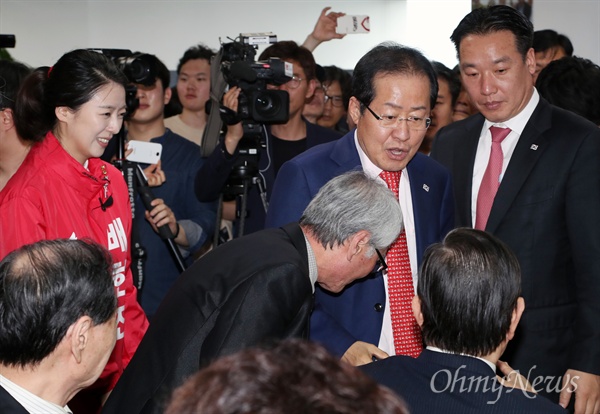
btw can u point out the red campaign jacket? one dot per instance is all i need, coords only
(53, 196)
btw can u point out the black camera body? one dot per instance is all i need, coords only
(256, 102)
(137, 68)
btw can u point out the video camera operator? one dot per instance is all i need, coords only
(283, 141)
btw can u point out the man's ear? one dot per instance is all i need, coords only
(515, 318)
(354, 109)
(530, 60)
(357, 244)
(416, 308)
(312, 84)
(79, 336)
(168, 94)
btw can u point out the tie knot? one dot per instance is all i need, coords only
(392, 179)
(498, 134)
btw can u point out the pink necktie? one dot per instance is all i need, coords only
(491, 178)
(407, 334)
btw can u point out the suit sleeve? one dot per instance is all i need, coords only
(274, 304)
(212, 176)
(583, 224)
(290, 196)
(198, 217)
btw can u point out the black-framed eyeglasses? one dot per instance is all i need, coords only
(380, 265)
(336, 101)
(391, 121)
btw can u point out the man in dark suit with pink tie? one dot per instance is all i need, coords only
(538, 190)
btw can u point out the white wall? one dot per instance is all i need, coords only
(45, 29)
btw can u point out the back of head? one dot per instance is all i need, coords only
(565, 43)
(44, 288)
(195, 52)
(71, 82)
(544, 40)
(572, 83)
(468, 286)
(390, 59)
(444, 72)
(488, 20)
(289, 50)
(349, 203)
(293, 377)
(12, 75)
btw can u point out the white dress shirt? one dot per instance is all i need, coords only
(31, 402)
(482, 157)
(386, 340)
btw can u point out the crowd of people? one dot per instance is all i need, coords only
(437, 227)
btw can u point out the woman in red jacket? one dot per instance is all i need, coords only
(63, 190)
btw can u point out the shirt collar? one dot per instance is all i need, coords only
(31, 402)
(312, 265)
(489, 363)
(517, 123)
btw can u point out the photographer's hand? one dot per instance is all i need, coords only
(324, 29)
(162, 214)
(155, 175)
(234, 132)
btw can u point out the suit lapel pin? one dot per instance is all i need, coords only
(533, 147)
(426, 187)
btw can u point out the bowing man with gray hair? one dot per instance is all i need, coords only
(259, 288)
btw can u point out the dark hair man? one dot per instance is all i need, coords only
(528, 172)
(191, 221)
(58, 323)
(193, 90)
(441, 113)
(549, 46)
(393, 90)
(294, 376)
(468, 305)
(259, 287)
(572, 83)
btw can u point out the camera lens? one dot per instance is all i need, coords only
(267, 104)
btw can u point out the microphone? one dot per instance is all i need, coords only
(104, 205)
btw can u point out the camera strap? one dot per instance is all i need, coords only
(212, 131)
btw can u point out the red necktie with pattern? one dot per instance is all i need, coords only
(491, 178)
(407, 333)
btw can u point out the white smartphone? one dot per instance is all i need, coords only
(350, 24)
(144, 152)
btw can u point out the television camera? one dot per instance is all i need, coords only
(258, 105)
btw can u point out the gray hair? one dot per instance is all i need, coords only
(350, 203)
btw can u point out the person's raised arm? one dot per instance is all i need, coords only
(324, 29)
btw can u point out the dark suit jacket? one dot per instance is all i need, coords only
(339, 320)
(9, 405)
(547, 210)
(445, 383)
(213, 175)
(247, 291)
